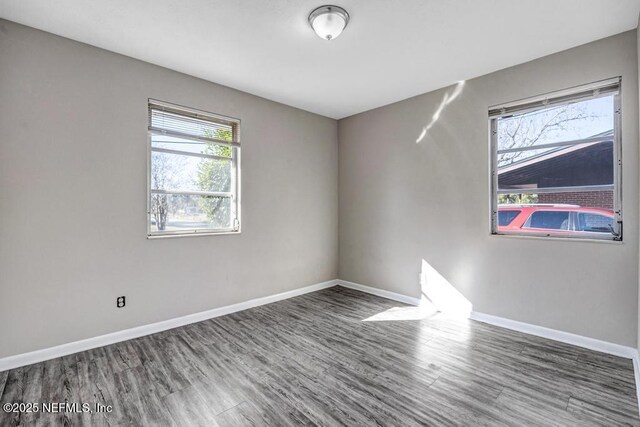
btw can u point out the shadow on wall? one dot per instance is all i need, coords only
(438, 296)
(446, 100)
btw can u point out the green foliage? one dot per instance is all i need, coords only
(215, 175)
(519, 199)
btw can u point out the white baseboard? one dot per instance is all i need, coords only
(379, 292)
(540, 331)
(19, 360)
(553, 334)
(16, 361)
(568, 338)
(636, 370)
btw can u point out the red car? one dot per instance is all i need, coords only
(560, 219)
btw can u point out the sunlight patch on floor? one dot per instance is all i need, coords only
(438, 297)
(424, 311)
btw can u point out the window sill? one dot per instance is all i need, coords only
(560, 239)
(208, 233)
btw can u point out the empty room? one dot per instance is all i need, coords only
(289, 212)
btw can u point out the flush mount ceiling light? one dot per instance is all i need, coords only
(328, 21)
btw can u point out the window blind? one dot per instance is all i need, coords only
(192, 125)
(601, 88)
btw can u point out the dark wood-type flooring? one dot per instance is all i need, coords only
(315, 360)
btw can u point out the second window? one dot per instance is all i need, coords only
(556, 164)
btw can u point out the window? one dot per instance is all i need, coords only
(557, 158)
(194, 172)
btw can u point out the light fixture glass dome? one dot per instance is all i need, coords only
(329, 21)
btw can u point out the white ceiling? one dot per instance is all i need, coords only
(391, 50)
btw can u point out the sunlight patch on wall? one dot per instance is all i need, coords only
(448, 98)
(444, 296)
(438, 298)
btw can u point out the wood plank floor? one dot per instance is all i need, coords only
(315, 360)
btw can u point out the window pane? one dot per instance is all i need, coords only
(189, 173)
(569, 213)
(172, 212)
(579, 120)
(585, 164)
(180, 144)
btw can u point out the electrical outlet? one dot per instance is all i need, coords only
(120, 302)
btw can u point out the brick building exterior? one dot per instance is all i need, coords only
(584, 165)
(589, 199)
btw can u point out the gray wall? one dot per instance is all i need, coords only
(638, 54)
(72, 201)
(403, 202)
(73, 162)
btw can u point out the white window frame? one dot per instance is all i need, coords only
(234, 191)
(602, 88)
